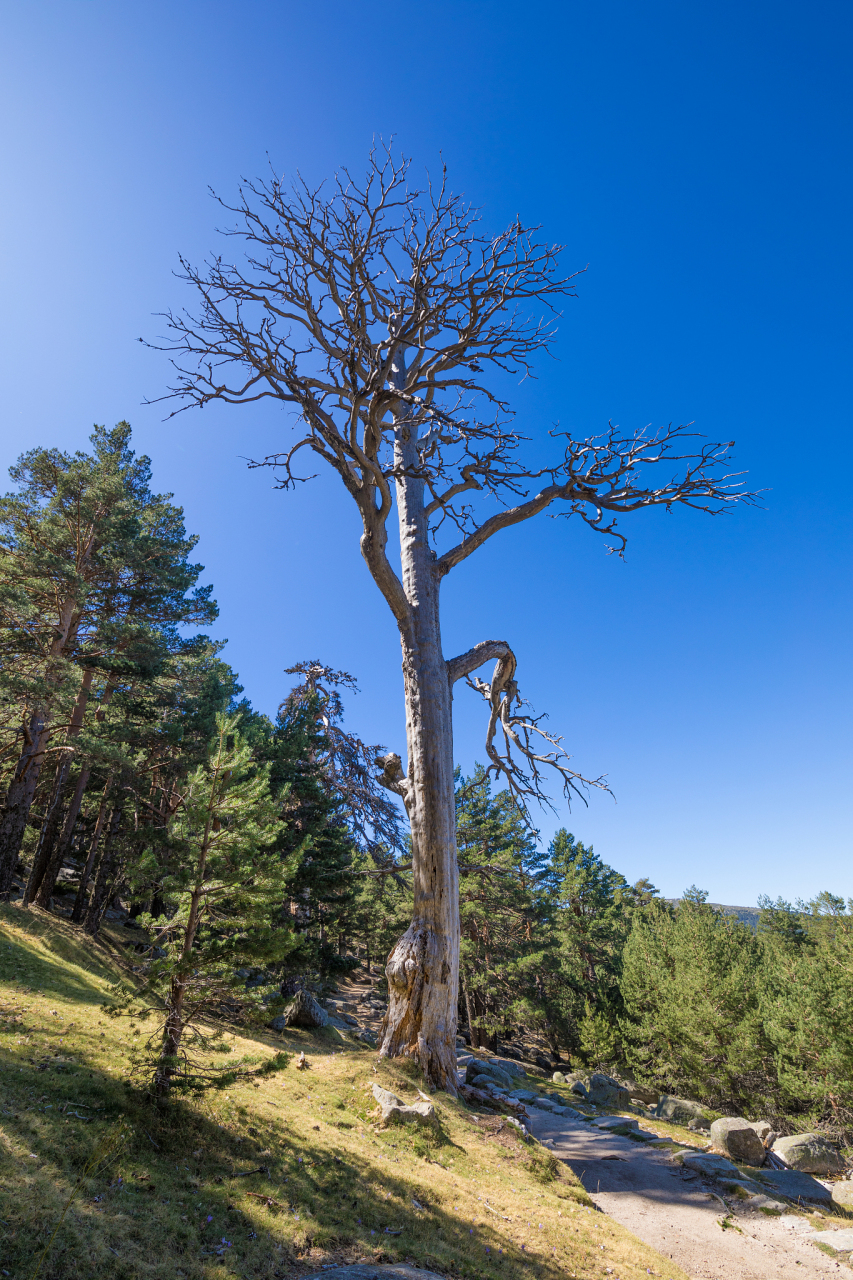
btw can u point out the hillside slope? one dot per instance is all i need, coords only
(270, 1178)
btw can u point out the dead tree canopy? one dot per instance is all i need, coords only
(391, 322)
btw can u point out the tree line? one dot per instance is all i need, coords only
(261, 855)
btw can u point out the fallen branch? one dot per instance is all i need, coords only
(267, 1200)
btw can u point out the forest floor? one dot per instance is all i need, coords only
(280, 1176)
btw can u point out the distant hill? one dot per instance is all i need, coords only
(749, 915)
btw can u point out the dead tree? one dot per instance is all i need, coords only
(388, 319)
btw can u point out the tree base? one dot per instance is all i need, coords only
(422, 995)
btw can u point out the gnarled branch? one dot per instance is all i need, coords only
(519, 763)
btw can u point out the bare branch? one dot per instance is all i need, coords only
(465, 663)
(519, 763)
(599, 475)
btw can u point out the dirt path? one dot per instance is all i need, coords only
(679, 1213)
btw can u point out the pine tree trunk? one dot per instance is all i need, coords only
(22, 788)
(85, 874)
(174, 1028)
(423, 968)
(172, 1036)
(468, 1010)
(49, 831)
(105, 869)
(63, 844)
(19, 797)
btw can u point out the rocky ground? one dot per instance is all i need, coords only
(693, 1219)
(713, 1218)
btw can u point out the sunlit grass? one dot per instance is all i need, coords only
(269, 1178)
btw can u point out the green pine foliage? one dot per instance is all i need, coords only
(505, 936)
(806, 1002)
(593, 907)
(693, 1024)
(222, 881)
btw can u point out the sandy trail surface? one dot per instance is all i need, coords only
(680, 1213)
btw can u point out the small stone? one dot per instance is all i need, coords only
(558, 1077)
(765, 1131)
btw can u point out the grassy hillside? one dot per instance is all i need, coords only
(267, 1178)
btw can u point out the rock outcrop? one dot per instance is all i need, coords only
(605, 1091)
(842, 1195)
(483, 1072)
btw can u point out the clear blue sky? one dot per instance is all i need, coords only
(697, 157)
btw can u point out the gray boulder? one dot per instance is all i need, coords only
(699, 1124)
(303, 1011)
(793, 1185)
(842, 1195)
(558, 1077)
(709, 1165)
(809, 1153)
(395, 1111)
(679, 1110)
(642, 1092)
(604, 1091)
(765, 1131)
(484, 1067)
(735, 1137)
(618, 1124)
(577, 1082)
(509, 1066)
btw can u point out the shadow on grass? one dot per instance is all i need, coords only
(219, 1179)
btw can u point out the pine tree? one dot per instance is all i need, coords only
(224, 884)
(692, 1024)
(94, 580)
(594, 905)
(501, 953)
(806, 1000)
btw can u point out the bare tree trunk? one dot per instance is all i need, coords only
(80, 900)
(47, 846)
(423, 968)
